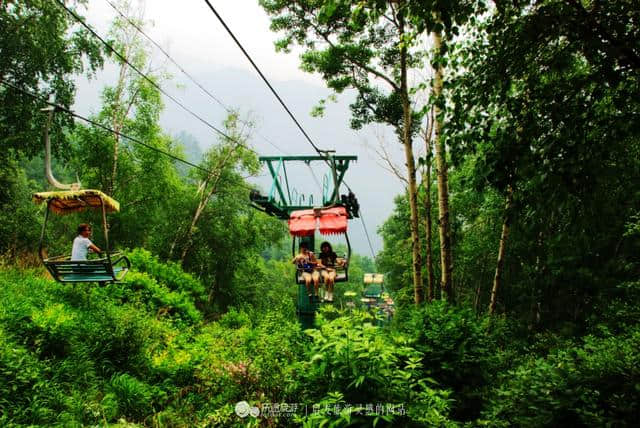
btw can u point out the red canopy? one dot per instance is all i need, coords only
(329, 221)
(302, 223)
(333, 221)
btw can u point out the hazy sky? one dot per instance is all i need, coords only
(196, 40)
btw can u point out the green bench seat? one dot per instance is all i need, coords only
(100, 270)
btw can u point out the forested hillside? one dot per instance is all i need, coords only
(512, 255)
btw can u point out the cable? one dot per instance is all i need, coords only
(188, 75)
(275, 93)
(315, 178)
(264, 78)
(106, 128)
(366, 232)
(148, 79)
(255, 66)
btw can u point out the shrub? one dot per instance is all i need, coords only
(591, 384)
(234, 319)
(141, 288)
(167, 273)
(351, 362)
(134, 398)
(460, 350)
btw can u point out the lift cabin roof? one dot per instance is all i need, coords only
(282, 201)
(69, 201)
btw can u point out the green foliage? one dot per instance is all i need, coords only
(541, 101)
(167, 273)
(594, 383)
(351, 355)
(66, 341)
(133, 397)
(540, 97)
(460, 350)
(235, 319)
(42, 48)
(16, 211)
(395, 258)
(141, 288)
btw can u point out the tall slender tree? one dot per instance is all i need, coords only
(41, 49)
(428, 220)
(446, 259)
(502, 248)
(226, 163)
(371, 47)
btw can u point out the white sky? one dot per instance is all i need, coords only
(197, 41)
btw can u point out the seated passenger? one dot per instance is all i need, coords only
(329, 261)
(306, 263)
(82, 245)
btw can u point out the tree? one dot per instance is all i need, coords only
(226, 163)
(124, 99)
(359, 45)
(442, 20)
(497, 279)
(446, 267)
(41, 48)
(428, 223)
(139, 177)
(544, 103)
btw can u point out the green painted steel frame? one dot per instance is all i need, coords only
(282, 206)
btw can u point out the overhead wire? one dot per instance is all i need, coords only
(315, 178)
(149, 80)
(108, 129)
(184, 107)
(264, 78)
(284, 105)
(138, 28)
(366, 232)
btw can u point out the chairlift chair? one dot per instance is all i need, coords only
(110, 268)
(71, 199)
(304, 217)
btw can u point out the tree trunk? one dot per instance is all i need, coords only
(427, 209)
(497, 279)
(172, 247)
(443, 191)
(214, 179)
(192, 227)
(116, 124)
(415, 236)
(418, 287)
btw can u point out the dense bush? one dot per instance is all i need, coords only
(168, 274)
(595, 383)
(140, 352)
(460, 350)
(62, 348)
(353, 363)
(143, 289)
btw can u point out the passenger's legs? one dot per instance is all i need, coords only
(316, 281)
(307, 281)
(331, 284)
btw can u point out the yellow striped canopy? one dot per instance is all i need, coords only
(67, 202)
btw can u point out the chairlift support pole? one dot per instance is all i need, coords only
(47, 155)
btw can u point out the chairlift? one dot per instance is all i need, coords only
(304, 217)
(72, 199)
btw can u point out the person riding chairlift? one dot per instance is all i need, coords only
(329, 260)
(82, 244)
(306, 263)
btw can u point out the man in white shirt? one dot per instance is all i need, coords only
(82, 244)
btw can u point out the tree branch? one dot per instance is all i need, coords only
(391, 166)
